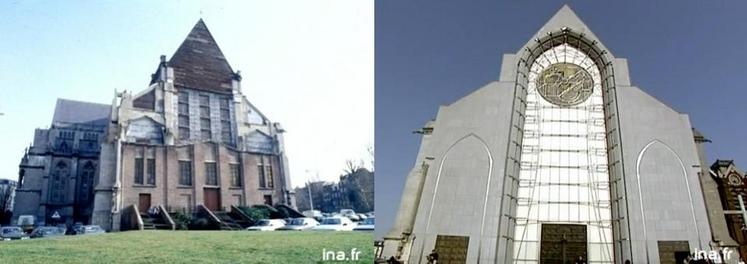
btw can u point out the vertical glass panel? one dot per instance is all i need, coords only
(563, 177)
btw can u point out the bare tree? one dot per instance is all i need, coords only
(5, 193)
(371, 155)
(351, 166)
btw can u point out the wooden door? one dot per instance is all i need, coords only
(144, 203)
(268, 200)
(212, 199)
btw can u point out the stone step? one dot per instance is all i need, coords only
(162, 226)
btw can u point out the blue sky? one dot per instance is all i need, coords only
(306, 65)
(688, 54)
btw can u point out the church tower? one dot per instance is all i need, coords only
(561, 158)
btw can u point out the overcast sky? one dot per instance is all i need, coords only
(688, 54)
(306, 64)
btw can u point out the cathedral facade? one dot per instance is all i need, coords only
(191, 138)
(561, 158)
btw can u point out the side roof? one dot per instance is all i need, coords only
(77, 112)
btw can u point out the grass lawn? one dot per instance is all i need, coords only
(189, 247)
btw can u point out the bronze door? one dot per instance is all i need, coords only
(451, 249)
(563, 243)
(212, 199)
(144, 202)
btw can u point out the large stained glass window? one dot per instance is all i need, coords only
(563, 177)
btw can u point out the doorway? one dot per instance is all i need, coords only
(144, 202)
(268, 200)
(212, 199)
(562, 243)
(673, 252)
(451, 249)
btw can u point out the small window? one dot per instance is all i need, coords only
(261, 170)
(183, 133)
(183, 108)
(152, 171)
(204, 100)
(224, 103)
(270, 180)
(185, 173)
(183, 97)
(204, 112)
(138, 170)
(183, 121)
(206, 134)
(225, 130)
(211, 173)
(205, 129)
(235, 175)
(205, 123)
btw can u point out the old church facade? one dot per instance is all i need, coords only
(561, 158)
(191, 138)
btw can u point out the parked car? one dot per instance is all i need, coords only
(47, 231)
(366, 225)
(316, 214)
(300, 224)
(337, 223)
(362, 217)
(267, 225)
(90, 230)
(349, 213)
(12, 233)
(26, 222)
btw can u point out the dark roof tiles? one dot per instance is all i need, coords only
(200, 64)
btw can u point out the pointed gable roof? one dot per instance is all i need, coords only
(565, 17)
(200, 64)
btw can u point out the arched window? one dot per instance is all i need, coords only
(59, 182)
(86, 181)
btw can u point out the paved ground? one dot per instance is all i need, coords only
(191, 247)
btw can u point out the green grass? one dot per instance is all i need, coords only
(188, 247)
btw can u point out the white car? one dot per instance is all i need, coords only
(349, 213)
(337, 223)
(267, 225)
(300, 224)
(316, 214)
(366, 225)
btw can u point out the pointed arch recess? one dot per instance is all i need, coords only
(438, 178)
(640, 193)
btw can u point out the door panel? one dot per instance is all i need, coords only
(562, 243)
(212, 199)
(144, 202)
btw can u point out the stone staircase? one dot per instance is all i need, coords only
(227, 222)
(153, 223)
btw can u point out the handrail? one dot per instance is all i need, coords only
(167, 217)
(133, 209)
(246, 217)
(210, 213)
